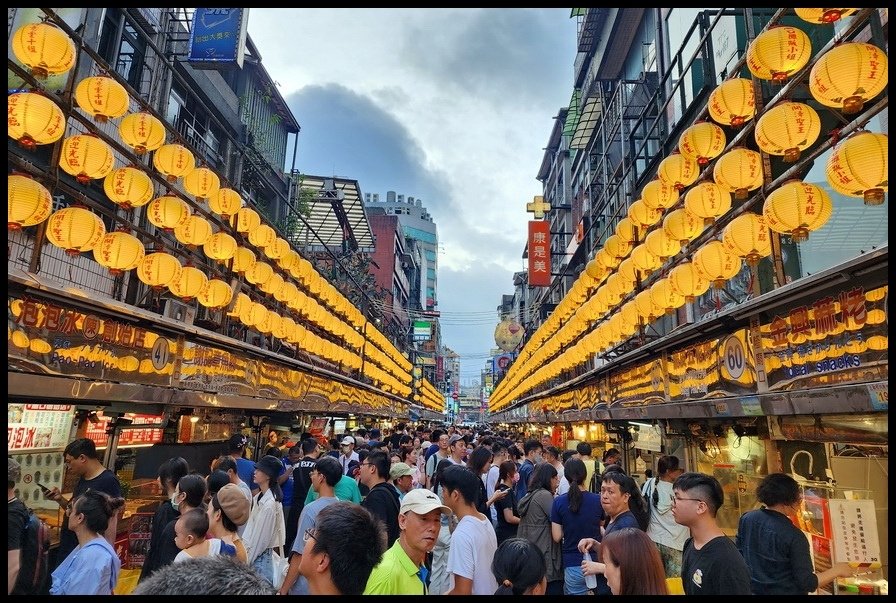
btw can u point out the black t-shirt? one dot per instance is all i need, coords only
(17, 517)
(716, 569)
(104, 482)
(506, 530)
(382, 502)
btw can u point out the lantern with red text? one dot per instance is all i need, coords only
(739, 171)
(703, 141)
(194, 232)
(849, 75)
(748, 237)
(778, 53)
(188, 283)
(732, 103)
(225, 203)
(687, 281)
(102, 97)
(216, 294)
(796, 208)
(33, 119)
(717, 263)
(202, 183)
(159, 269)
(28, 202)
(220, 247)
(44, 49)
(678, 170)
(142, 132)
(168, 212)
(86, 157)
(173, 161)
(660, 244)
(243, 259)
(128, 187)
(245, 220)
(787, 129)
(707, 200)
(823, 16)
(75, 229)
(682, 226)
(859, 167)
(119, 252)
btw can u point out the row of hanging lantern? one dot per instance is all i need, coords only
(35, 120)
(845, 77)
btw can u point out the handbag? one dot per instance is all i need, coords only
(279, 567)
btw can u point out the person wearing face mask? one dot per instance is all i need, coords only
(533, 451)
(170, 473)
(189, 494)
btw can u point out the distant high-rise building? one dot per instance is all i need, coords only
(417, 224)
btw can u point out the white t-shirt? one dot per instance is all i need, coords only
(491, 480)
(473, 546)
(214, 548)
(662, 528)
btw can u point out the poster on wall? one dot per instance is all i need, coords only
(854, 525)
(38, 426)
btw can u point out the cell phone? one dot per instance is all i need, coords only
(43, 487)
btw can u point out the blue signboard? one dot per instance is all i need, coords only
(218, 39)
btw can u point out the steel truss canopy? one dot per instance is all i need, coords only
(336, 214)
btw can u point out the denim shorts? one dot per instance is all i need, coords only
(574, 581)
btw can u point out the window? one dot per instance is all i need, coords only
(122, 46)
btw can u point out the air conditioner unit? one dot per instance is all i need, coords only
(179, 311)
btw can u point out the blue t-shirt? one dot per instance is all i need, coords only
(584, 524)
(287, 485)
(246, 470)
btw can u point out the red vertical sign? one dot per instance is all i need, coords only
(539, 253)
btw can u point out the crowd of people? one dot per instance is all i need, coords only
(447, 511)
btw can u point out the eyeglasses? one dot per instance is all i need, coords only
(677, 499)
(309, 533)
(364, 465)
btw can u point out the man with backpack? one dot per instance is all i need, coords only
(27, 543)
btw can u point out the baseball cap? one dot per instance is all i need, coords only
(399, 470)
(237, 441)
(347, 440)
(455, 438)
(421, 501)
(234, 503)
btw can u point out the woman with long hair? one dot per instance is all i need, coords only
(535, 523)
(668, 535)
(632, 563)
(170, 472)
(519, 568)
(575, 516)
(508, 511)
(265, 530)
(93, 567)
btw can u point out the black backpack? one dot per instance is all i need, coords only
(33, 568)
(653, 498)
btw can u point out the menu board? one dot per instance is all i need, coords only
(854, 524)
(38, 426)
(132, 436)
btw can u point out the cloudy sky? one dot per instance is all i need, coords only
(452, 106)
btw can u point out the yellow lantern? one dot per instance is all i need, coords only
(797, 208)
(245, 220)
(703, 141)
(617, 247)
(660, 244)
(86, 157)
(643, 216)
(823, 16)
(859, 167)
(678, 171)
(748, 237)
(739, 171)
(44, 49)
(289, 260)
(242, 301)
(276, 250)
(284, 327)
(646, 308)
(595, 270)
(628, 271)
(194, 232)
(849, 75)
(707, 200)
(273, 285)
(102, 97)
(159, 269)
(286, 293)
(189, 283)
(682, 226)
(28, 202)
(644, 260)
(778, 53)
(659, 195)
(174, 161)
(216, 294)
(33, 119)
(717, 263)
(142, 132)
(243, 259)
(253, 314)
(262, 236)
(202, 183)
(75, 229)
(787, 129)
(220, 247)
(665, 296)
(688, 282)
(631, 318)
(168, 212)
(226, 203)
(128, 187)
(732, 103)
(259, 273)
(119, 251)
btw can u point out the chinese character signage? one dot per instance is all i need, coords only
(38, 426)
(539, 253)
(218, 39)
(132, 436)
(854, 523)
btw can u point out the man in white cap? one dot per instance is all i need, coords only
(401, 570)
(347, 453)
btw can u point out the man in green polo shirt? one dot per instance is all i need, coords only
(401, 570)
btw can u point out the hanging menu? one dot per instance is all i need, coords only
(38, 426)
(854, 524)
